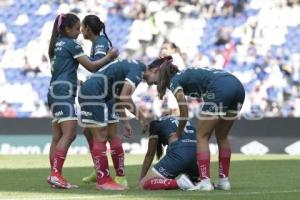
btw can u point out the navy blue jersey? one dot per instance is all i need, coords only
(166, 126)
(100, 47)
(64, 67)
(195, 81)
(111, 76)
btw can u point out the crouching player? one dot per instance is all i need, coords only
(179, 158)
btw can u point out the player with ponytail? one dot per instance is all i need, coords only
(65, 54)
(223, 96)
(93, 29)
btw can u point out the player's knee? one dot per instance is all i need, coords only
(222, 139)
(70, 138)
(203, 137)
(56, 139)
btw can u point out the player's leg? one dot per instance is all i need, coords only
(56, 135)
(104, 180)
(117, 154)
(67, 123)
(222, 131)
(68, 129)
(162, 175)
(94, 116)
(89, 138)
(155, 181)
(191, 167)
(206, 126)
(91, 178)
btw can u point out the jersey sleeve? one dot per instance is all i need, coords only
(154, 129)
(101, 48)
(75, 49)
(134, 77)
(175, 84)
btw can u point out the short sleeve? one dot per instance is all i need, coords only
(175, 84)
(134, 77)
(101, 48)
(154, 129)
(75, 49)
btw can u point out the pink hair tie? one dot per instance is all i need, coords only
(60, 18)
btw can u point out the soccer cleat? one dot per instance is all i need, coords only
(184, 182)
(110, 185)
(203, 185)
(222, 184)
(50, 184)
(56, 180)
(121, 180)
(92, 178)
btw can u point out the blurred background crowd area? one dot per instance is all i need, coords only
(258, 41)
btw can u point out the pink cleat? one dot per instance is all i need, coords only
(109, 184)
(56, 180)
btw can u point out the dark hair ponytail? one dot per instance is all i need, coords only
(61, 22)
(103, 27)
(54, 35)
(166, 72)
(96, 25)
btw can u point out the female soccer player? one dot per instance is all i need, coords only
(93, 29)
(223, 96)
(118, 79)
(179, 159)
(65, 54)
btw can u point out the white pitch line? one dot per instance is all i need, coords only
(190, 193)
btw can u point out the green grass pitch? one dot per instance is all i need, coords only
(267, 177)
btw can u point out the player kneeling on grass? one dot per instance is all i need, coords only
(179, 158)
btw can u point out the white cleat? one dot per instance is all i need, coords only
(222, 184)
(203, 185)
(184, 182)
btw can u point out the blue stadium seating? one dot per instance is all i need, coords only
(118, 29)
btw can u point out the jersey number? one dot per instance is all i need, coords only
(188, 127)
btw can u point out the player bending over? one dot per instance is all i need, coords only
(179, 158)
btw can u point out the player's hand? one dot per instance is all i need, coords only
(113, 53)
(127, 129)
